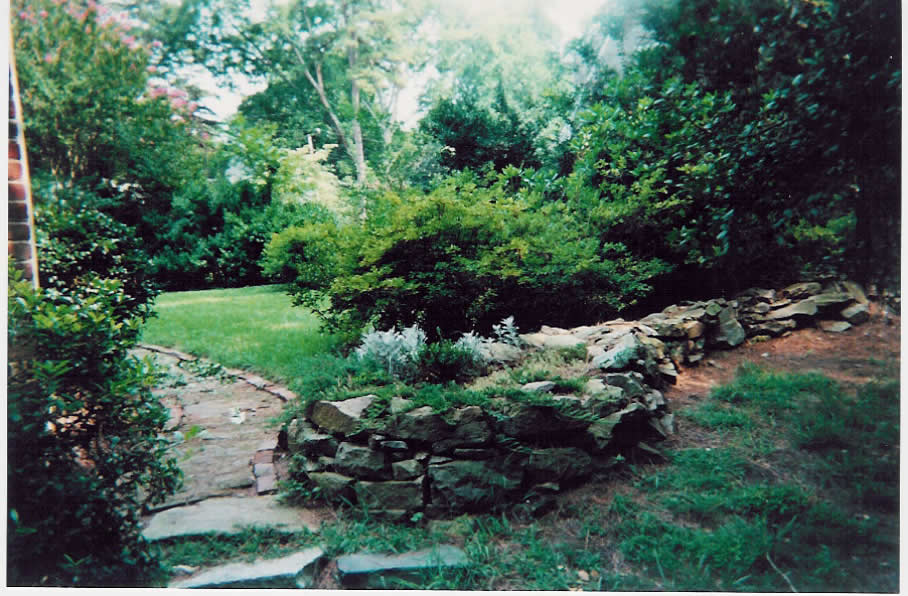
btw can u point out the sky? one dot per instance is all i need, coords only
(571, 17)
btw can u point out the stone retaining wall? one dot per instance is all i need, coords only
(397, 458)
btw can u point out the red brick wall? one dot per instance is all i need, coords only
(21, 234)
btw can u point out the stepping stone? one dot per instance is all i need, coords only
(368, 570)
(295, 571)
(835, 326)
(228, 515)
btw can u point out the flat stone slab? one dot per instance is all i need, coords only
(294, 571)
(834, 326)
(228, 515)
(366, 569)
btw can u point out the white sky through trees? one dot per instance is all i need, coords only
(570, 16)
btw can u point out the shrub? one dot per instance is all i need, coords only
(446, 361)
(78, 243)
(85, 453)
(506, 332)
(460, 259)
(397, 352)
(405, 355)
(216, 233)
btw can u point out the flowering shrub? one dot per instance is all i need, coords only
(90, 107)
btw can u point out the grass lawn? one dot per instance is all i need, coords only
(253, 328)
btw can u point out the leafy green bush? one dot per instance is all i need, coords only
(216, 233)
(445, 361)
(460, 259)
(78, 242)
(85, 450)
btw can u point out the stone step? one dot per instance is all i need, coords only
(294, 571)
(229, 515)
(368, 570)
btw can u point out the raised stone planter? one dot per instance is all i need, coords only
(410, 459)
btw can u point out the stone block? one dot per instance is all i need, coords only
(406, 469)
(368, 570)
(226, 515)
(265, 484)
(340, 416)
(266, 469)
(421, 424)
(802, 290)
(620, 355)
(361, 462)
(803, 309)
(302, 437)
(333, 485)
(294, 571)
(393, 494)
(472, 485)
(834, 326)
(557, 464)
(539, 387)
(856, 314)
(728, 333)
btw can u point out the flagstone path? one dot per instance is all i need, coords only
(225, 442)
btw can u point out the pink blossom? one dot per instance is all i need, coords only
(158, 92)
(43, 14)
(156, 44)
(128, 40)
(178, 102)
(192, 107)
(48, 57)
(151, 68)
(23, 15)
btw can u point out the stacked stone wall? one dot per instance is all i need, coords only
(399, 458)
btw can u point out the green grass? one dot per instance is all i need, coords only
(254, 328)
(803, 492)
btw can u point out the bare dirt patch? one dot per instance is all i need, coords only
(853, 358)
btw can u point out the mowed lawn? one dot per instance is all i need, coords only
(254, 328)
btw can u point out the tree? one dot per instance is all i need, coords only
(350, 54)
(821, 81)
(492, 99)
(94, 118)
